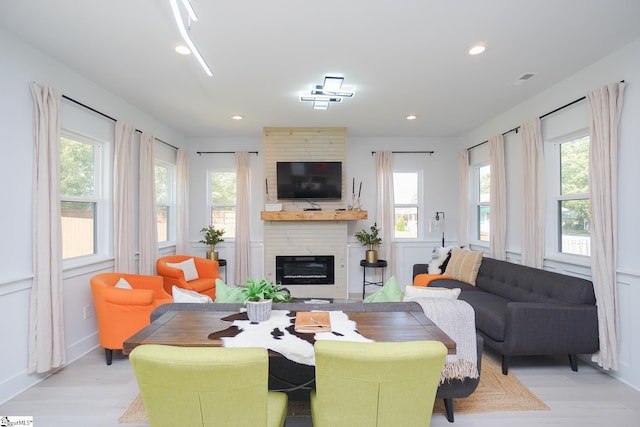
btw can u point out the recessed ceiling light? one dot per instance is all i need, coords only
(237, 117)
(182, 49)
(411, 117)
(476, 49)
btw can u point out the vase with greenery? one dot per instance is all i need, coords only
(258, 296)
(371, 238)
(212, 237)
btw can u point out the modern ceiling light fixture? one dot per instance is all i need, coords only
(411, 117)
(477, 49)
(185, 30)
(329, 92)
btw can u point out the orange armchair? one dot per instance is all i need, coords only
(123, 312)
(204, 284)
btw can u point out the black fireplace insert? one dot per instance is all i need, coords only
(305, 270)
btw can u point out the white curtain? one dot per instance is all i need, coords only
(123, 214)
(533, 197)
(463, 198)
(242, 255)
(47, 347)
(605, 106)
(498, 201)
(384, 207)
(182, 202)
(148, 224)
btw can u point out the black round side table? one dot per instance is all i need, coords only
(223, 263)
(380, 264)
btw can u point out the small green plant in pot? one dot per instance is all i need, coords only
(212, 237)
(258, 297)
(371, 238)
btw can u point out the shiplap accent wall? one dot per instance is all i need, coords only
(306, 237)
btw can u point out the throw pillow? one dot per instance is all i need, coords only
(188, 267)
(390, 292)
(426, 279)
(226, 293)
(123, 284)
(411, 293)
(186, 295)
(439, 260)
(464, 265)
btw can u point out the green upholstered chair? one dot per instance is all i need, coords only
(376, 384)
(199, 387)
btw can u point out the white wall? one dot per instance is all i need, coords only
(21, 65)
(620, 65)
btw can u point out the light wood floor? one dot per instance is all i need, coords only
(90, 393)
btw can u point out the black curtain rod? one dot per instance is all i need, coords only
(541, 117)
(408, 152)
(222, 152)
(111, 118)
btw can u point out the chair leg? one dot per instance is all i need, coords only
(109, 355)
(505, 364)
(448, 407)
(573, 360)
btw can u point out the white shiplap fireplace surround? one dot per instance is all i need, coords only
(295, 232)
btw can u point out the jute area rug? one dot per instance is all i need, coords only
(495, 393)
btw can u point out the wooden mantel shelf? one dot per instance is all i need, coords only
(313, 215)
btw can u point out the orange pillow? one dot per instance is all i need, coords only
(426, 279)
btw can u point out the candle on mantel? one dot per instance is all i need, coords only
(353, 186)
(266, 185)
(360, 189)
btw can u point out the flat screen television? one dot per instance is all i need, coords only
(309, 180)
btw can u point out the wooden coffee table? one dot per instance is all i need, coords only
(192, 328)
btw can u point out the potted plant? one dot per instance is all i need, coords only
(372, 239)
(258, 297)
(212, 237)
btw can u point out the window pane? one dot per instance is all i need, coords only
(76, 168)
(405, 188)
(574, 166)
(575, 224)
(406, 220)
(78, 229)
(223, 188)
(162, 184)
(162, 221)
(484, 184)
(224, 218)
(483, 223)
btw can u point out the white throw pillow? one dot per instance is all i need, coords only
(123, 284)
(188, 267)
(186, 295)
(412, 293)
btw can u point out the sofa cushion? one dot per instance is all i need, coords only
(413, 293)
(188, 267)
(464, 265)
(439, 260)
(226, 293)
(526, 284)
(390, 292)
(186, 295)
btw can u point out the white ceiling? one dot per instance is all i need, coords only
(402, 57)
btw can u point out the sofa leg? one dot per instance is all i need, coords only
(109, 355)
(505, 364)
(448, 406)
(573, 360)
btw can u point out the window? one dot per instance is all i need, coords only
(406, 204)
(222, 200)
(165, 201)
(573, 208)
(482, 197)
(80, 195)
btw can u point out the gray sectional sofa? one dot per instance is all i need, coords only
(527, 311)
